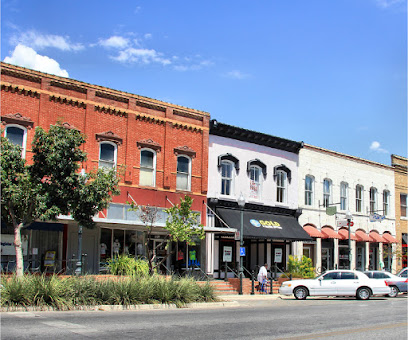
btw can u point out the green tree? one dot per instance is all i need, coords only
(182, 224)
(52, 185)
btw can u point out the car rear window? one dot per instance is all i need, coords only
(348, 276)
(380, 276)
(369, 274)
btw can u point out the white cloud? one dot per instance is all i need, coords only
(26, 57)
(388, 3)
(376, 146)
(148, 36)
(114, 42)
(40, 41)
(235, 74)
(141, 55)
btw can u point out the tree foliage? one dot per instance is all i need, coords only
(52, 185)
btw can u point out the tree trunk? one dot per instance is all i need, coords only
(19, 250)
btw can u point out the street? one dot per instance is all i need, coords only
(314, 318)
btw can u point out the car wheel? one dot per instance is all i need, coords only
(300, 293)
(363, 293)
(394, 291)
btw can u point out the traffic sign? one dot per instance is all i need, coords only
(242, 251)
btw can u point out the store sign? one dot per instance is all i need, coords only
(7, 245)
(227, 254)
(265, 224)
(376, 217)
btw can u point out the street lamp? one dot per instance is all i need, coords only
(241, 203)
(349, 217)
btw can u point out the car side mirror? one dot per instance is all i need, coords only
(320, 278)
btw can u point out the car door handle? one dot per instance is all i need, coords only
(333, 283)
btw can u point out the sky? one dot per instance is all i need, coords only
(329, 73)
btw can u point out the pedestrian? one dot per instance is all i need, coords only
(263, 277)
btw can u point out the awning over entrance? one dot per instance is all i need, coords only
(389, 238)
(362, 236)
(330, 233)
(313, 232)
(264, 225)
(376, 237)
(345, 235)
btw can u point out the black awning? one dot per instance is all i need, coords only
(261, 225)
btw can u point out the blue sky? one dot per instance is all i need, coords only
(329, 73)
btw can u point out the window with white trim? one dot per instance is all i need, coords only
(343, 196)
(227, 177)
(17, 135)
(255, 181)
(327, 192)
(373, 199)
(403, 203)
(309, 183)
(107, 155)
(183, 181)
(359, 198)
(147, 168)
(386, 202)
(281, 186)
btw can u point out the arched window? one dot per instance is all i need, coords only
(386, 202)
(281, 186)
(227, 177)
(343, 196)
(359, 198)
(183, 173)
(373, 199)
(255, 181)
(107, 155)
(327, 192)
(18, 136)
(309, 186)
(147, 168)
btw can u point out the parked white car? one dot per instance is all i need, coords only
(336, 283)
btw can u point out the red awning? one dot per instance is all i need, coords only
(376, 237)
(330, 233)
(313, 232)
(389, 238)
(362, 236)
(345, 235)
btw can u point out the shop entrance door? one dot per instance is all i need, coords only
(326, 259)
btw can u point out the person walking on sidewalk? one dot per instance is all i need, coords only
(263, 277)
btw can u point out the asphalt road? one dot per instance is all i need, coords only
(314, 318)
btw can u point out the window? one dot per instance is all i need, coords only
(18, 136)
(226, 177)
(386, 202)
(309, 182)
(281, 183)
(348, 276)
(183, 173)
(332, 276)
(359, 198)
(107, 155)
(343, 196)
(373, 200)
(147, 168)
(326, 192)
(403, 198)
(255, 182)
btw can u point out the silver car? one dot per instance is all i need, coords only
(336, 283)
(396, 283)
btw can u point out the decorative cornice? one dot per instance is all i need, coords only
(150, 106)
(109, 136)
(150, 119)
(24, 76)
(184, 150)
(67, 86)
(187, 115)
(19, 89)
(105, 95)
(184, 126)
(111, 111)
(17, 118)
(67, 101)
(149, 143)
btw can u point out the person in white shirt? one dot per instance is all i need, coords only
(262, 277)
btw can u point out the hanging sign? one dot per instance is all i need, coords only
(376, 217)
(331, 211)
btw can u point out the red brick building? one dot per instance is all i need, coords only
(161, 148)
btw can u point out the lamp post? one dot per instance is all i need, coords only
(241, 203)
(349, 217)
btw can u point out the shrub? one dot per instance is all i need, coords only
(300, 267)
(125, 265)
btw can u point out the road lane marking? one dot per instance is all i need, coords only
(350, 331)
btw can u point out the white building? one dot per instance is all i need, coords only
(362, 187)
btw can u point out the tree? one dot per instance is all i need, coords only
(182, 225)
(52, 185)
